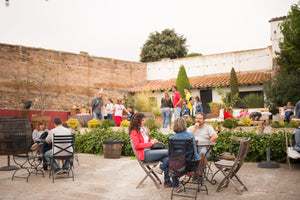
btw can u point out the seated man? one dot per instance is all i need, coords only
(58, 130)
(255, 115)
(288, 111)
(203, 132)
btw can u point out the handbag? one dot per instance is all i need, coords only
(158, 145)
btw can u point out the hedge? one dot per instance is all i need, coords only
(91, 142)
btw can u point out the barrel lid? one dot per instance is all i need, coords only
(112, 142)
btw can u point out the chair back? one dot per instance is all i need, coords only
(134, 151)
(63, 146)
(19, 144)
(243, 150)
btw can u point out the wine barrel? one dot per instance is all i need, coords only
(13, 126)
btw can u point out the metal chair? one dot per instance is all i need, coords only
(24, 158)
(230, 168)
(62, 149)
(148, 168)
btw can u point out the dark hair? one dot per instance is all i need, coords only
(57, 121)
(201, 113)
(110, 100)
(186, 88)
(65, 125)
(174, 86)
(135, 123)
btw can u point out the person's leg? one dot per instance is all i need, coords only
(100, 116)
(95, 116)
(163, 114)
(66, 165)
(48, 155)
(168, 112)
(110, 116)
(203, 161)
(118, 120)
(177, 112)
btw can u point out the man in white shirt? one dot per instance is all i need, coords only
(58, 130)
(203, 132)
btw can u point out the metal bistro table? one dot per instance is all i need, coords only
(207, 169)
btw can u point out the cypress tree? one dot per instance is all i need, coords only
(234, 88)
(182, 81)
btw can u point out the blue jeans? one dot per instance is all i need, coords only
(288, 114)
(165, 166)
(54, 165)
(97, 116)
(160, 155)
(165, 112)
(110, 116)
(177, 111)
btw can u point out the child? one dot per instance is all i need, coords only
(185, 109)
(109, 106)
(118, 108)
(129, 108)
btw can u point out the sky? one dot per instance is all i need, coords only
(119, 28)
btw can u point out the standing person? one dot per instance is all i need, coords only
(104, 112)
(197, 105)
(166, 105)
(97, 105)
(185, 111)
(129, 116)
(188, 97)
(297, 110)
(118, 108)
(203, 132)
(109, 106)
(288, 111)
(142, 144)
(176, 101)
(58, 130)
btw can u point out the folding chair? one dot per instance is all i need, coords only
(230, 168)
(62, 149)
(290, 152)
(182, 150)
(148, 168)
(24, 158)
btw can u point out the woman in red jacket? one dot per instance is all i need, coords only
(143, 144)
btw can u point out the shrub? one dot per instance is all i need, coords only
(151, 124)
(125, 123)
(230, 123)
(83, 124)
(253, 101)
(246, 121)
(190, 123)
(107, 123)
(72, 123)
(294, 124)
(94, 123)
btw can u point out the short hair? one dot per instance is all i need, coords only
(198, 98)
(65, 125)
(110, 100)
(186, 88)
(100, 91)
(179, 125)
(57, 121)
(174, 86)
(201, 113)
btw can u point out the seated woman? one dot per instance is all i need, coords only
(36, 135)
(142, 144)
(179, 128)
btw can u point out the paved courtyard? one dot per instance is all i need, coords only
(100, 178)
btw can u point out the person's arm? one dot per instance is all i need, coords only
(34, 135)
(134, 136)
(91, 111)
(214, 137)
(49, 138)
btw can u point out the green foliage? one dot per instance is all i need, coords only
(190, 123)
(230, 123)
(72, 123)
(166, 44)
(282, 124)
(253, 101)
(107, 123)
(258, 145)
(151, 124)
(246, 121)
(234, 88)
(125, 123)
(284, 85)
(212, 104)
(94, 123)
(83, 124)
(145, 101)
(182, 81)
(194, 54)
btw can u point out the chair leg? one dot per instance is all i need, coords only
(148, 171)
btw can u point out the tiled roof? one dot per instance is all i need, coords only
(251, 78)
(277, 19)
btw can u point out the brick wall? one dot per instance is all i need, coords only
(71, 79)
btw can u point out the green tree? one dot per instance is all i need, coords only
(283, 86)
(166, 44)
(193, 54)
(234, 88)
(182, 81)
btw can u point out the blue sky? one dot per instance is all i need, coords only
(119, 28)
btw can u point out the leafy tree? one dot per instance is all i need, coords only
(194, 54)
(284, 85)
(234, 88)
(166, 44)
(182, 81)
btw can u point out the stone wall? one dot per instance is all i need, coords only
(68, 80)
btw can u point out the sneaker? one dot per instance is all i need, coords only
(158, 170)
(168, 185)
(58, 171)
(178, 189)
(45, 166)
(65, 170)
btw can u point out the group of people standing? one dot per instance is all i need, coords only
(181, 107)
(98, 110)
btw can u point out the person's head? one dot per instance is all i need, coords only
(137, 121)
(186, 90)
(289, 103)
(57, 121)
(246, 110)
(129, 108)
(174, 88)
(167, 96)
(41, 126)
(200, 118)
(65, 125)
(110, 101)
(184, 102)
(119, 101)
(179, 125)
(100, 93)
(197, 98)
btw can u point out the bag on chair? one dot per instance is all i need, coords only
(158, 145)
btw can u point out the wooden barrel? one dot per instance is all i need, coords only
(13, 126)
(112, 148)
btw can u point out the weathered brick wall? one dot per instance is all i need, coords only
(72, 81)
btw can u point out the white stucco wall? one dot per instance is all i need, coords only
(276, 36)
(242, 61)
